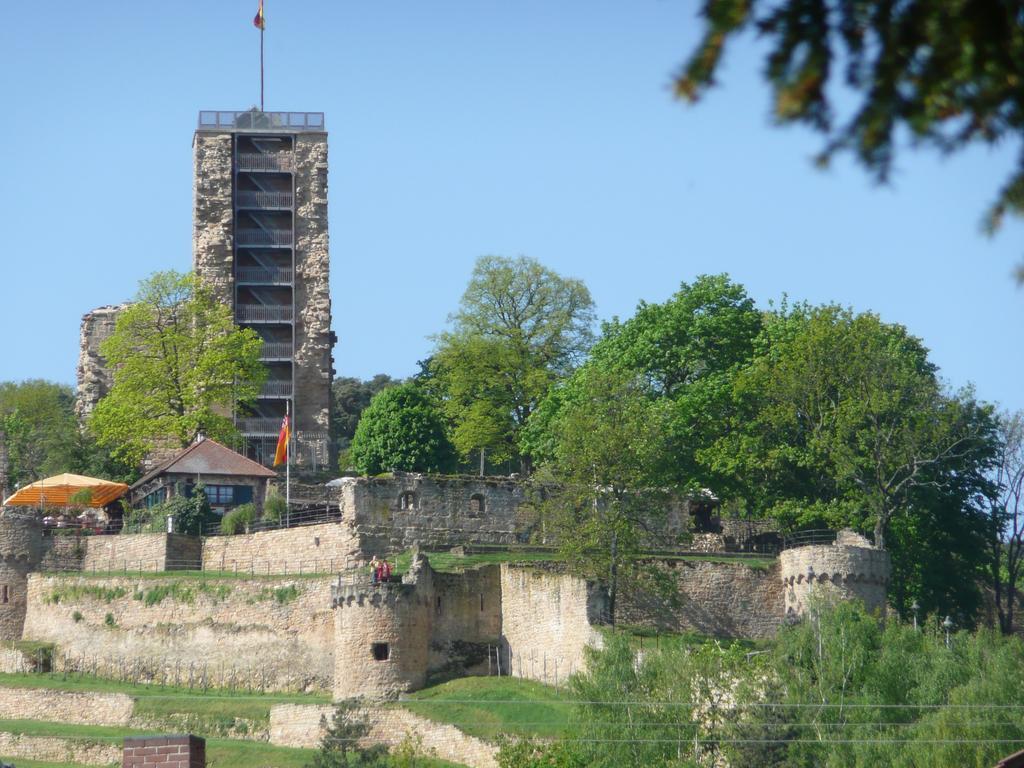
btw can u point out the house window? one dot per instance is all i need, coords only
(380, 651)
(477, 505)
(154, 498)
(407, 500)
(227, 495)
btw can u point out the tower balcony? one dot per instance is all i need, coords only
(263, 276)
(259, 426)
(280, 237)
(270, 161)
(259, 200)
(275, 351)
(276, 388)
(263, 313)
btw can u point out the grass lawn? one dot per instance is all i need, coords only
(488, 706)
(186, 575)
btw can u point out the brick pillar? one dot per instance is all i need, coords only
(164, 752)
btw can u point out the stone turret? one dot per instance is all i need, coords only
(382, 634)
(21, 544)
(851, 568)
(94, 377)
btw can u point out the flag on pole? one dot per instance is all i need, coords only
(259, 21)
(281, 454)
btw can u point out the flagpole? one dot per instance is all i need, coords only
(262, 28)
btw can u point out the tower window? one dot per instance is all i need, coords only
(380, 651)
(437, 605)
(4, 594)
(407, 500)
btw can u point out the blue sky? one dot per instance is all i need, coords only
(468, 127)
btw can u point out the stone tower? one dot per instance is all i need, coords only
(851, 568)
(382, 635)
(94, 377)
(21, 542)
(260, 241)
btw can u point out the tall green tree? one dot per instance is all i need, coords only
(609, 447)
(180, 367)
(349, 398)
(947, 73)
(520, 328)
(1006, 519)
(402, 429)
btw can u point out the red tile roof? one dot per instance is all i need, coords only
(208, 457)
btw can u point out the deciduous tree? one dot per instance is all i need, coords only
(520, 327)
(1006, 518)
(180, 366)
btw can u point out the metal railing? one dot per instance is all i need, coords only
(257, 425)
(268, 161)
(255, 120)
(263, 236)
(255, 199)
(808, 538)
(264, 275)
(276, 389)
(276, 350)
(296, 519)
(263, 313)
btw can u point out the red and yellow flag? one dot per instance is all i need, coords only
(281, 454)
(259, 21)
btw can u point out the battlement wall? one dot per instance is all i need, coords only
(21, 544)
(846, 571)
(267, 633)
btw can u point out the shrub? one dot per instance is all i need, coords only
(109, 620)
(238, 519)
(274, 507)
(76, 616)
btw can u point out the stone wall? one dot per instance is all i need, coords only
(66, 706)
(299, 725)
(313, 337)
(20, 552)
(546, 621)
(61, 751)
(716, 599)
(63, 552)
(142, 552)
(213, 213)
(326, 548)
(391, 514)
(269, 633)
(466, 621)
(841, 570)
(94, 377)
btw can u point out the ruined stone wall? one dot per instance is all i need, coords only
(141, 552)
(60, 751)
(66, 706)
(326, 548)
(213, 213)
(546, 622)
(391, 514)
(466, 621)
(20, 553)
(716, 599)
(94, 377)
(299, 725)
(267, 633)
(313, 338)
(382, 637)
(63, 552)
(841, 570)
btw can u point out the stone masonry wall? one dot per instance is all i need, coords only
(299, 725)
(313, 338)
(845, 571)
(466, 621)
(141, 552)
(326, 548)
(716, 599)
(546, 623)
(20, 552)
(441, 511)
(66, 706)
(61, 751)
(270, 633)
(213, 213)
(94, 377)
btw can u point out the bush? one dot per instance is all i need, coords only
(274, 508)
(238, 519)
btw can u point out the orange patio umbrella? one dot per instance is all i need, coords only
(58, 490)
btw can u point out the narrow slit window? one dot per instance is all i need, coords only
(4, 594)
(437, 605)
